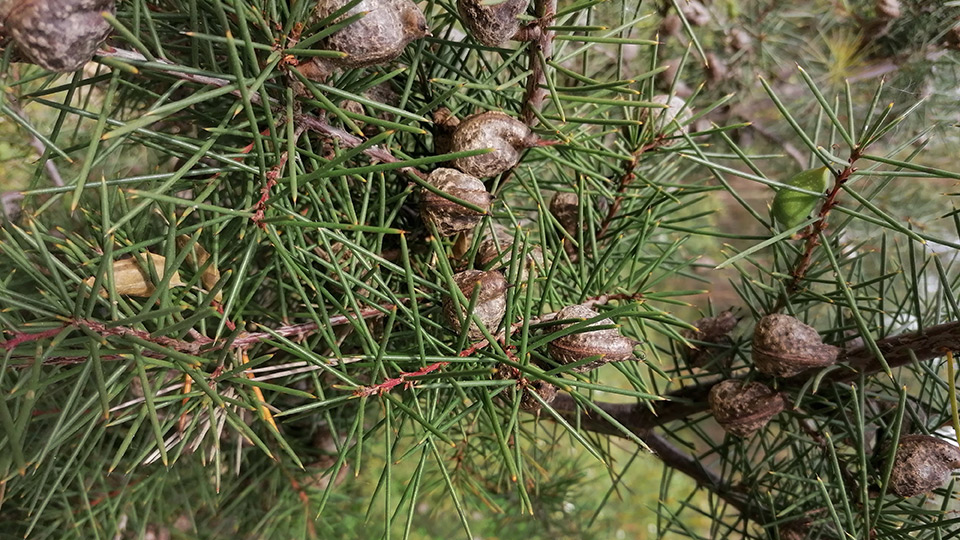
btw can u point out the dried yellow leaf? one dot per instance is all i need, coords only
(131, 279)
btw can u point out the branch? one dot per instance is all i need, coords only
(541, 42)
(898, 350)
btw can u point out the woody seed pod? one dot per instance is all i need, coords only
(784, 347)
(444, 124)
(498, 248)
(743, 409)
(711, 330)
(922, 463)
(565, 207)
(546, 391)
(448, 216)
(505, 135)
(378, 37)
(605, 345)
(795, 530)
(491, 303)
(491, 24)
(59, 35)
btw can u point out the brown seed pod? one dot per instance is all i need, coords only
(505, 135)
(784, 347)
(59, 35)
(711, 330)
(546, 391)
(450, 217)
(387, 27)
(742, 409)
(922, 464)
(491, 24)
(795, 530)
(491, 303)
(565, 206)
(496, 249)
(444, 124)
(605, 345)
(671, 120)
(695, 12)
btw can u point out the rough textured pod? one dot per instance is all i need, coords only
(743, 409)
(525, 389)
(378, 37)
(504, 135)
(711, 331)
(59, 35)
(491, 24)
(497, 250)
(795, 530)
(784, 347)
(791, 208)
(674, 118)
(605, 345)
(448, 216)
(491, 303)
(922, 463)
(565, 206)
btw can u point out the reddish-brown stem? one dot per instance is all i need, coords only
(540, 40)
(812, 235)
(625, 179)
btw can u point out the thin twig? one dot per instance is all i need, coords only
(625, 179)
(541, 43)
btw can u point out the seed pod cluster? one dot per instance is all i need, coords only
(448, 216)
(603, 345)
(59, 35)
(492, 24)
(378, 37)
(491, 304)
(922, 464)
(711, 331)
(742, 409)
(784, 347)
(505, 135)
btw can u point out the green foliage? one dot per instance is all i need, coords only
(300, 380)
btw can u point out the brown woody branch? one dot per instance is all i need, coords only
(541, 42)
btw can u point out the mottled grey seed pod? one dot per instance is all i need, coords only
(742, 409)
(604, 345)
(59, 35)
(922, 464)
(671, 120)
(444, 125)
(387, 27)
(448, 216)
(496, 251)
(565, 206)
(505, 135)
(493, 24)
(784, 347)
(710, 331)
(491, 303)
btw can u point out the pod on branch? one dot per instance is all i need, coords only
(544, 390)
(784, 347)
(378, 37)
(491, 304)
(492, 23)
(451, 217)
(504, 135)
(922, 463)
(496, 249)
(602, 345)
(790, 207)
(59, 35)
(741, 408)
(711, 331)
